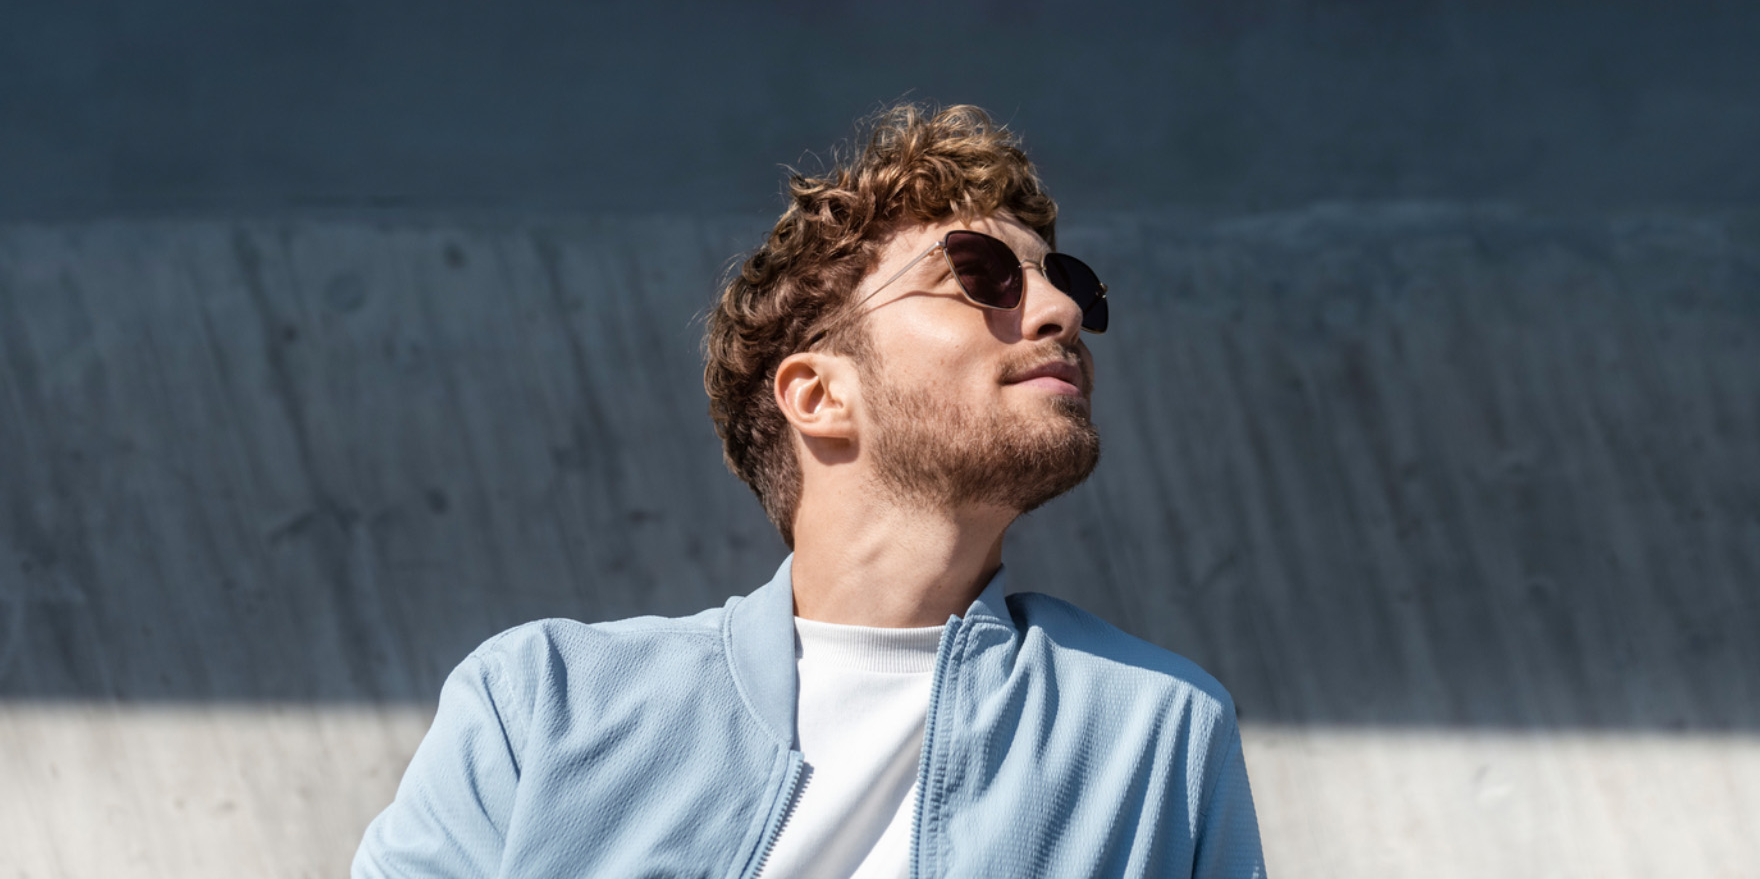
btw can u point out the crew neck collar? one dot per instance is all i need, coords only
(867, 648)
(759, 633)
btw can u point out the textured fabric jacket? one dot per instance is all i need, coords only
(1055, 745)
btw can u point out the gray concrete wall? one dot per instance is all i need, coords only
(1481, 481)
(1403, 465)
(336, 337)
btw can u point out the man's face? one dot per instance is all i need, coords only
(966, 405)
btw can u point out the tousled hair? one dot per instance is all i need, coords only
(915, 165)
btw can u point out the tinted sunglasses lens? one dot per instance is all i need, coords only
(987, 270)
(1079, 282)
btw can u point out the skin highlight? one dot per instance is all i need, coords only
(919, 452)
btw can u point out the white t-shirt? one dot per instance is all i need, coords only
(864, 694)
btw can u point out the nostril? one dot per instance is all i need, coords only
(1050, 328)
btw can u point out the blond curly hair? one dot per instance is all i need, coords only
(915, 165)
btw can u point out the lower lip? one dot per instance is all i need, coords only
(1054, 385)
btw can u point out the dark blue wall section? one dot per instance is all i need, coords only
(675, 106)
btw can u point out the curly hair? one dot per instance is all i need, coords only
(916, 165)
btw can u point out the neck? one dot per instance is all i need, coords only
(862, 560)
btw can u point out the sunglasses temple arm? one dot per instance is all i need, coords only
(851, 308)
(900, 273)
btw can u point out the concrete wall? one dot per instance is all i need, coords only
(335, 337)
(1464, 499)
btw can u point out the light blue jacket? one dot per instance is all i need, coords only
(1056, 745)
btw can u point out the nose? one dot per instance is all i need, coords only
(1047, 312)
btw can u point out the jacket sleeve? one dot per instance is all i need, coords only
(449, 818)
(1228, 830)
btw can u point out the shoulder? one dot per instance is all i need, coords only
(562, 655)
(1085, 647)
(567, 634)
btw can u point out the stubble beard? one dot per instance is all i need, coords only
(933, 452)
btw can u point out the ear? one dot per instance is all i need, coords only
(816, 393)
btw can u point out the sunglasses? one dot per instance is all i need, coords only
(989, 275)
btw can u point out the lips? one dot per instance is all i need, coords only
(1052, 375)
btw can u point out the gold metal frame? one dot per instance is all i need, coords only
(954, 271)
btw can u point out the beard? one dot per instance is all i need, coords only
(929, 450)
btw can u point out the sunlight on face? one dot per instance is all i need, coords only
(969, 405)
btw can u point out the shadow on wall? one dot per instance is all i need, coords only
(1398, 465)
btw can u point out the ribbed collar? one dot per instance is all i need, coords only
(758, 631)
(866, 648)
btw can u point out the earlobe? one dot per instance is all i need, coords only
(811, 391)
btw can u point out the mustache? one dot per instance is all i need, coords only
(1052, 352)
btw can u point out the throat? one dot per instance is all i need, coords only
(892, 568)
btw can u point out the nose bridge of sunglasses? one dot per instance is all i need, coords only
(1075, 280)
(1060, 282)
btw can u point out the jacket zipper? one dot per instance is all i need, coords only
(943, 661)
(798, 774)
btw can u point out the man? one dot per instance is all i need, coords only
(898, 373)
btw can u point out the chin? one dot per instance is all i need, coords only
(1055, 459)
(1017, 455)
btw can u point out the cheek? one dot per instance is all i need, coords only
(940, 354)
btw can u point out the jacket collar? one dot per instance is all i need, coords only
(758, 631)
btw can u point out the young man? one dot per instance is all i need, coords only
(898, 373)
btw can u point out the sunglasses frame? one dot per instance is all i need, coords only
(952, 269)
